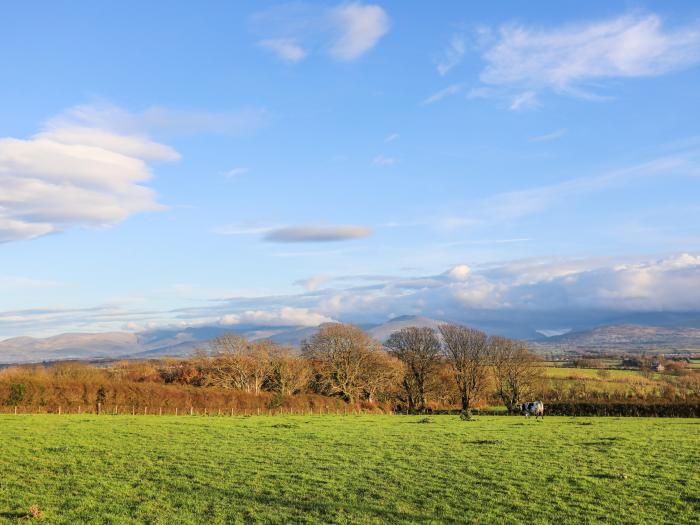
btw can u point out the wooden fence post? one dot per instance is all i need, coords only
(59, 410)
(15, 410)
(176, 411)
(99, 408)
(191, 411)
(145, 410)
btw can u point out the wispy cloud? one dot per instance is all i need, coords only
(391, 137)
(381, 160)
(525, 100)
(236, 172)
(158, 120)
(285, 48)
(477, 242)
(554, 135)
(568, 59)
(452, 55)
(443, 93)
(315, 233)
(245, 228)
(344, 32)
(513, 204)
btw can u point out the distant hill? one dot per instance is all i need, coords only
(179, 343)
(68, 346)
(626, 338)
(383, 331)
(165, 342)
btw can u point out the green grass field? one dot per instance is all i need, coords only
(349, 469)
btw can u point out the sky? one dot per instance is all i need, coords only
(172, 164)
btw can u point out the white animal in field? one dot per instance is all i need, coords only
(533, 408)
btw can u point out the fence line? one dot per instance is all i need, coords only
(148, 410)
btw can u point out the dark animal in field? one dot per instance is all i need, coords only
(534, 408)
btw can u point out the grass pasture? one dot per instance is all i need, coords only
(349, 469)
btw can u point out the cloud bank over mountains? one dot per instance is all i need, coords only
(527, 291)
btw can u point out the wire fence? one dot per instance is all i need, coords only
(136, 410)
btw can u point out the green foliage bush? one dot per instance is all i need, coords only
(17, 391)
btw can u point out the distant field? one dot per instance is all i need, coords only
(593, 373)
(620, 381)
(349, 469)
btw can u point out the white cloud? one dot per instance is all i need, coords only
(452, 55)
(443, 93)
(360, 28)
(313, 282)
(569, 59)
(71, 174)
(391, 137)
(286, 316)
(458, 273)
(285, 48)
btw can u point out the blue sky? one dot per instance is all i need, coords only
(264, 162)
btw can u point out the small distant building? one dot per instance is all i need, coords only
(657, 367)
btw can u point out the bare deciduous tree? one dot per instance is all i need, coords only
(343, 356)
(419, 350)
(238, 363)
(383, 376)
(290, 374)
(515, 370)
(467, 350)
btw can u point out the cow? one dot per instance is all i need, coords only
(533, 408)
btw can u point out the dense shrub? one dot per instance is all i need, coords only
(637, 409)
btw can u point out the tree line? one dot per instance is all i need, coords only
(454, 364)
(414, 370)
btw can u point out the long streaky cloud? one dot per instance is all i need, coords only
(312, 233)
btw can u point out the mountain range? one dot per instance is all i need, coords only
(183, 342)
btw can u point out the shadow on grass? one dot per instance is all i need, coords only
(14, 516)
(609, 476)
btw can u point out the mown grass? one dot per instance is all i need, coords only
(349, 469)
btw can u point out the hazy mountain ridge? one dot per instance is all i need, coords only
(627, 338)
(183, 342)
